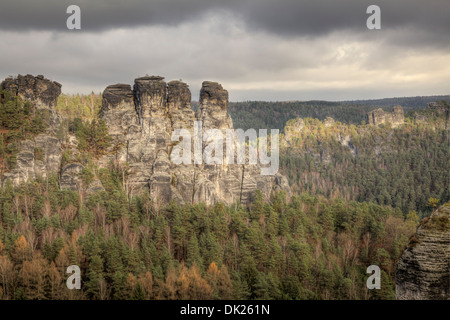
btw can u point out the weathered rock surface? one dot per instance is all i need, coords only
(40, 156)
(43, 93)
(423, 271)
(213, 107)
(379, 116)
(70, 176)
(346, 142)
(329, 122)
(143, 119)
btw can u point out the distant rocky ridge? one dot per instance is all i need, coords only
(379, 116)
(376, 117)
(141, 120)
(423, 271)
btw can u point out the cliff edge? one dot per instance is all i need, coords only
(423, 271)
(140, 119)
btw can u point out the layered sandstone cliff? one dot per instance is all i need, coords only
(43, 95)
(141, 120)
(379, 116)
(423, 271)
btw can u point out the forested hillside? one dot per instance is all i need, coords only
(274, 115)
(402, 167)
(409, 103)
(309, 248)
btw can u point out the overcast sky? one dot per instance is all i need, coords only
(257, 49)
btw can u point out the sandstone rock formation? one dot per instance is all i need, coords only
(142, 120)
(423, 271)
(379, 116)
(293, 127)
(42, 92)
(40, 156)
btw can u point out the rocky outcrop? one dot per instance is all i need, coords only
(142, 120)
(329, 122)
(42, 93)
(213, 107)
(292, 129)
(423, 271)
(379, 116)
(70, 176)
(40, 156)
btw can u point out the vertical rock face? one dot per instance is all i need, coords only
(118, 109)
(40, 156)
(179, 105)
(376, 117)
(423, 271)
(213, 107)
(143, 121)
(379, 116)
(116, 95)
(178, 95)
(150, 95)
(218, 182)
(42, 92)
(397, 116)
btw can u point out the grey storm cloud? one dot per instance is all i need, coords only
(258, 49)
(280, 17)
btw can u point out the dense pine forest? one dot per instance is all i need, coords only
(347, 212)
(308, 248)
